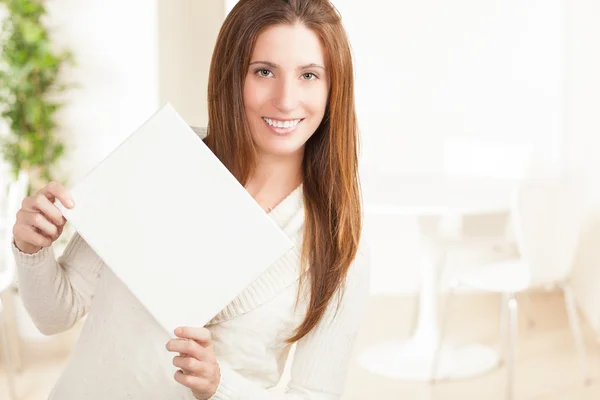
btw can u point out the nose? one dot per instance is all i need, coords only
(286, 95)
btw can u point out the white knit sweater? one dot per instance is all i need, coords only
(121, 352)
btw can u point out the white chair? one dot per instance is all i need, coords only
(546, 217)
(10, 352)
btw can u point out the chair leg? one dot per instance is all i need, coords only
(527, 308)
(512, 343)
(6, 355)
(574, 322)
(444, 324)
(503, 324)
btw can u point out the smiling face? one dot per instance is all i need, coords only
(286, 89)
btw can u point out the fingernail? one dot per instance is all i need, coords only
(70, 203)
(178, 331)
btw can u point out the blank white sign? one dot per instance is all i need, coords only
(173, 223)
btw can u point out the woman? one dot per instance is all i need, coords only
(282, 120)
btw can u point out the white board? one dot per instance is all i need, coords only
(173, 224)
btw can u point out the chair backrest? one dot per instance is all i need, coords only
(17, 191)
(547, 217)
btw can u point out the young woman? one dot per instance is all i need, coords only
(282, 120)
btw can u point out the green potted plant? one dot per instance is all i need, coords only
(30, 76)
(30, 88)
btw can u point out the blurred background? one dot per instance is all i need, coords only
(480, 132)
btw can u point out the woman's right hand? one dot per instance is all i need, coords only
(39, 222)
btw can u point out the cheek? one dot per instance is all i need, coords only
(249, 96)
(255, 95)
(318, 102)
(318, 107)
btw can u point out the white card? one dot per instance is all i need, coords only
(173, 223)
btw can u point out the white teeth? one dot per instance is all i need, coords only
(282, 124)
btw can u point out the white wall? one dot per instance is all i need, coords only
(433, 70)
(115, 45)
(132, 57)
(582, 104)
(187, 33)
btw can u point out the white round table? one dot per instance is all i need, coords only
(449, 200)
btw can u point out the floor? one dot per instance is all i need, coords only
(547, 367)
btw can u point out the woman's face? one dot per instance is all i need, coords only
(286, 89)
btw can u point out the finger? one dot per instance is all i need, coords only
(189, 365)
(41, 203)
(40, 222)
(191, 381)
(55, 190)
(200, 335)
(187, 347)
(28, 234)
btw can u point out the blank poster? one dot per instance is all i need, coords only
(173, 223)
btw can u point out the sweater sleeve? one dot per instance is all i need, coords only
(322, 357)
(57, 292)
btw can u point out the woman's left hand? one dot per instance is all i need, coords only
(199, 369)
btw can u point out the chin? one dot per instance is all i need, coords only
(281, 148)
(281, 145)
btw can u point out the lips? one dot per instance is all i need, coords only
(287, 123)
(282, 127)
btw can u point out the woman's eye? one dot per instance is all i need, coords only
(263, 72)
(309, 76)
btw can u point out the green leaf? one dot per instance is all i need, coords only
(31, 32)
(30, 75)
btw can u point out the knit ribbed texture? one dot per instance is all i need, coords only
(57, 295)
(121, 353)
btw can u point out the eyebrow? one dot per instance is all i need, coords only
(275, 66)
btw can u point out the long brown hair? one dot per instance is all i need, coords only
(333, 216)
